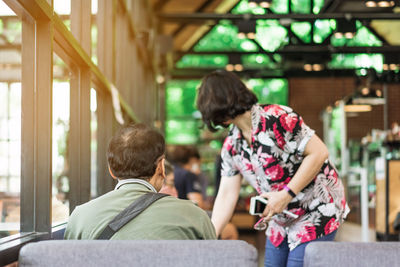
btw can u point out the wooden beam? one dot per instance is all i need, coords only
(212, 18)
(43, 134)
(160, 5)
(28, 146)
(106, 51)
(81, 23)
(80, 116)
(199, 9)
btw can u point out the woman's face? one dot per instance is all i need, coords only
(194, 165)
(228, 122)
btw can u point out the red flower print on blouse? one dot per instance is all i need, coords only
(298, 211)
(276, 238)
(308, 234)
(228, 144)
(265, 158)
(275, 172)
(288, 122)
(331, 173)
(273, 110)
(281, 185)
(344, 203)
(331, 226)
(279, 137)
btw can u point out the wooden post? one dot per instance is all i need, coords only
(79, 134)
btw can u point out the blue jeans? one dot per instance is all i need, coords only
(281, 256)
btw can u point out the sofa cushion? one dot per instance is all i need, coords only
(354, 254)
(139, 253)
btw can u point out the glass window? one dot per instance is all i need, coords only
(270, 91)
(271, 35)
(277, 6)
(182, 125)
(357, 61)
(364, 37)
(302, 30)
(61, 116)
(301, 6)
(261, 61)
(322, 29)
(180, 98)
(280, 7)
(10, 121)
(223, 37)
(182, 131)
(10, 157)
(317, 5)
(243, 8)
(203, 61)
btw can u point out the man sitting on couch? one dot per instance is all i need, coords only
(136, 158)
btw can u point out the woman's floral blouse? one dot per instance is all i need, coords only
(279, 137)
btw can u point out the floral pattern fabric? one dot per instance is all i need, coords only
(279, 138)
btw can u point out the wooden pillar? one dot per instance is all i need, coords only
(36, 128)
(105, 125)
(79, 133)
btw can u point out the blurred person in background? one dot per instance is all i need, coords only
(186, 182)
(194, 165)
(169, 182)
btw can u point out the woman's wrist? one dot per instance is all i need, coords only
(289, 191)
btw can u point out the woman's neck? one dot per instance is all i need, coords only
(243, 122)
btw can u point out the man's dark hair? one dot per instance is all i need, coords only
(135, 151)
(223, 96)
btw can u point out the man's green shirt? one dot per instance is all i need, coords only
(167, 218)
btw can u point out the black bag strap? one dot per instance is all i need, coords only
(128, 214)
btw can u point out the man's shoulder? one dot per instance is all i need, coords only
(95, 204)
(179, 205)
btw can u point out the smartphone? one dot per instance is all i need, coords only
(258, 204)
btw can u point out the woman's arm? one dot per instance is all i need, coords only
(315, 154)
(225, 202)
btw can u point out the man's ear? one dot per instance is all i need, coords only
(161, 167)
(111, 173)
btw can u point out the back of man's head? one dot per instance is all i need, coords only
(134, 152)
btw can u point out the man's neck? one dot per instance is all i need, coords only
(145, 183)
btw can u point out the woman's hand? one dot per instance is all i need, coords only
(277, 202)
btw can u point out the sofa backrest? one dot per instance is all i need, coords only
(354, 254)
(158, 253)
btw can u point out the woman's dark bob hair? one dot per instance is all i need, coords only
(223, 96)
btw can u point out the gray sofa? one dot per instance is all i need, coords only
(352, 254)
(168, 253)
